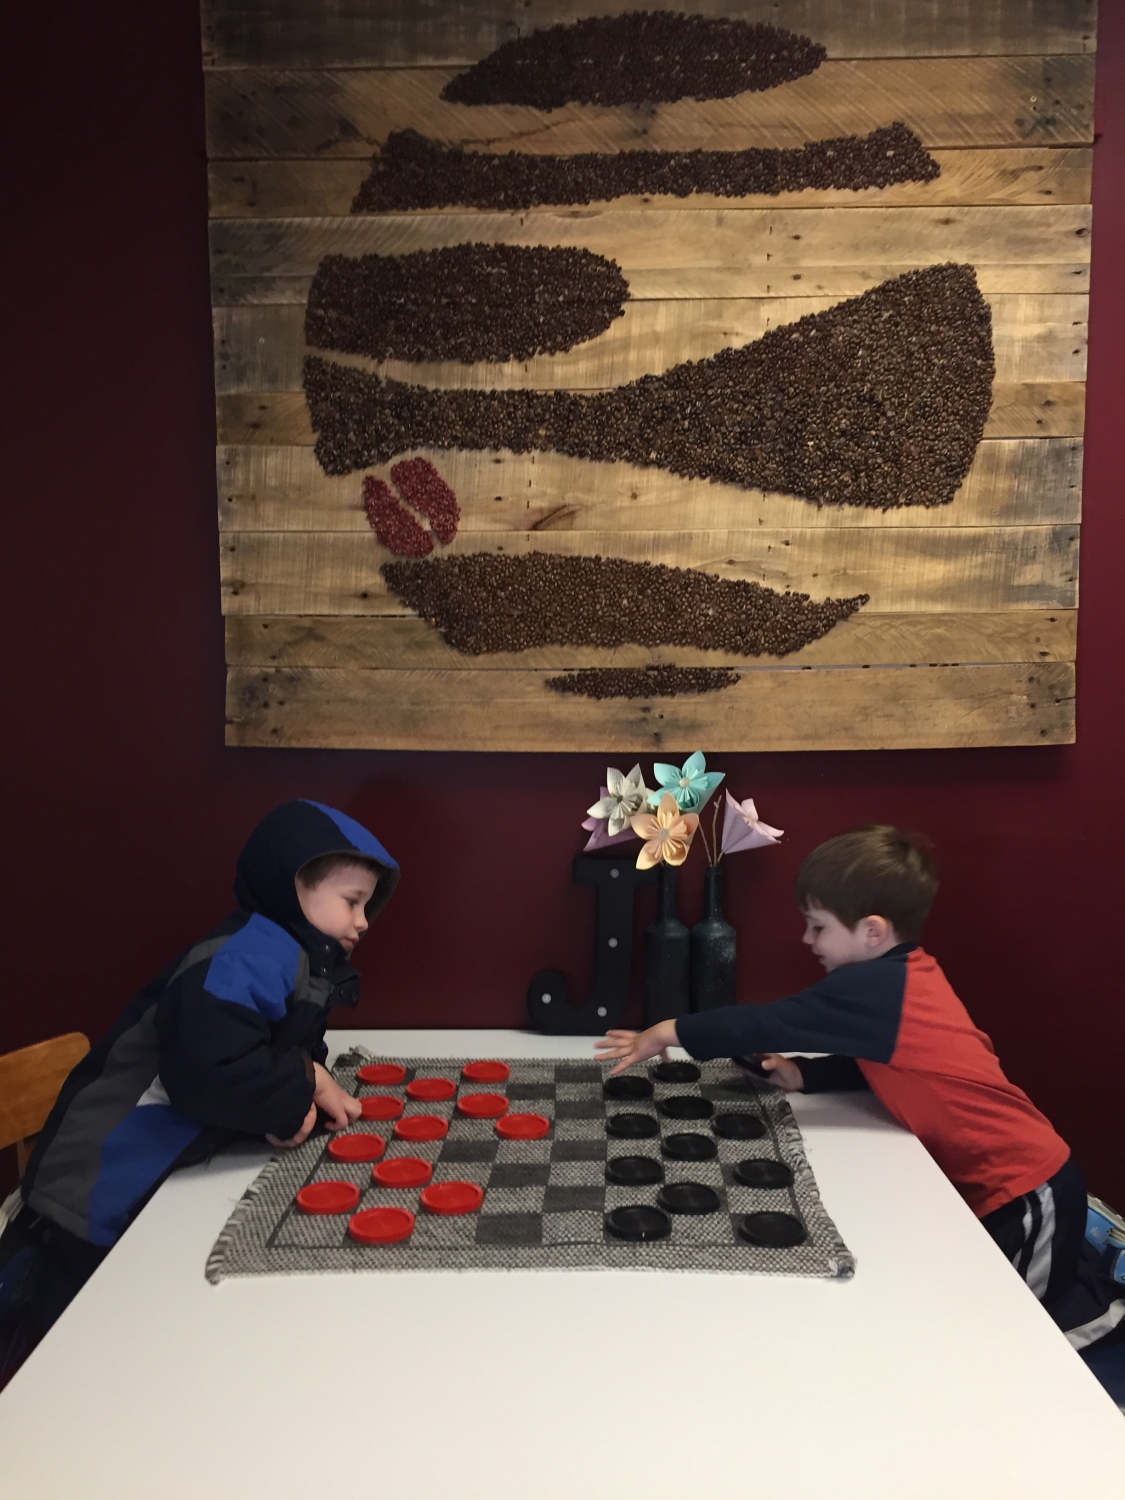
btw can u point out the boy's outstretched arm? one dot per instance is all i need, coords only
(632, 1047)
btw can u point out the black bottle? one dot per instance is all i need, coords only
(667, 955)
(712, 949)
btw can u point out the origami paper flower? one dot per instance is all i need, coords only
(598, 829)
(667, 833)
(743, 829)
(691, 785)
(621, 798)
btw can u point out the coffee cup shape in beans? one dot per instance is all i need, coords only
(791, 412)
(642, 57)
(494, 302)
(410, 172)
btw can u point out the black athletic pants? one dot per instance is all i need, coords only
(1043, 1234)
(42, 1270)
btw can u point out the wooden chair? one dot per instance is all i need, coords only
(30, 1080)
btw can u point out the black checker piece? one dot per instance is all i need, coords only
(741, 1127)
(772, 1231)
(675, 1072)
(762, 1172)
(581, 1150)
(468, 1150)
(628, 1086)
(519, 1175)
(510, 1229)
(685, 1107)
(638, 1223)
(634, 1171)
(688, 1198)
(689, 1147)
(632, 1127)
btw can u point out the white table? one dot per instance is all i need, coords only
(933, 1373)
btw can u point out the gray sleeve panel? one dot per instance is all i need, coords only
(70, 1165)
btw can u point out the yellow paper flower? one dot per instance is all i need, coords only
(667, 834)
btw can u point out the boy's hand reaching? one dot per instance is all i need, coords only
(782, 1072)
(340, 1107)
(633, 1047)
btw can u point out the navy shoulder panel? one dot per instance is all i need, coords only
(257, 967)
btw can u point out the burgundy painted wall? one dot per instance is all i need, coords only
(124, 811)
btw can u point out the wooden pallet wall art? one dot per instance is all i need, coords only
(595, 380)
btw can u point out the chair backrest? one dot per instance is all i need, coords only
(30, 1080)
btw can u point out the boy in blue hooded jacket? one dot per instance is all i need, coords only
(227, 1040)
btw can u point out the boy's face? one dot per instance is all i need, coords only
(336, 905)
(835, 945)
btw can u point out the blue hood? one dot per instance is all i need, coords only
(287, 838)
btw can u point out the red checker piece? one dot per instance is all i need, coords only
(482, 1106)
(421, 1128)
(381, 1073)
(356, 1147)
(486, 1072)
(380, 1107)
(381, 1226)
(452, 1198)
(328, 1198)
(431, 1089)
(402, 1171)
(523, 1127)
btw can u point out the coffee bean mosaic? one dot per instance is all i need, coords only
(482, 603)
(466, 302)
(643, 682)
(392, 523)
(412, 172)
(879, 401)
(637, 58)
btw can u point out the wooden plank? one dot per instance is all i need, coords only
(672, 254)
(932, 569)
(264, 349)
(769, 709)
(1030, 174)
(1064, 279)
(948, 102)
(315, 34)
(866, 639)
(1038, 409)
(1013, 482)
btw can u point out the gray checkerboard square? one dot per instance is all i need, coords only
(509, 1229)
(563, 1200)
(468, 1150)
(578, 1073)
(573, 1229)
(523, 1092)
(580, 1109)
(520, 1175)
(581, 1148)
(577, 1173)
(521, 1200)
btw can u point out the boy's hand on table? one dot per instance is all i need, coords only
(782, 1072)
(306, 1125)
(340, 1107)
(632, 1047)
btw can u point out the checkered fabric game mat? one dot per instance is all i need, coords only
(545, 1201)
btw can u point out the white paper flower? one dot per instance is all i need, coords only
(625, 795)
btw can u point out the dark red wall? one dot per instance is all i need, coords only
(124, 810)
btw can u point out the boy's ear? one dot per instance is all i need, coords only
(876, 931)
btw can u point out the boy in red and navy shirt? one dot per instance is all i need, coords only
(888, 1019)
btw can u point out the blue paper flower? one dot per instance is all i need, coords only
(691, 784)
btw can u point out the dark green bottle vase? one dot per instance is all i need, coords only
(667, 956)
(713, 949)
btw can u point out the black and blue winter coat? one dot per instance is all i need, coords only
(221, 1043)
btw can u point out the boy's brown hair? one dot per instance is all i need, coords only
(874, 871)
(315, 870)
